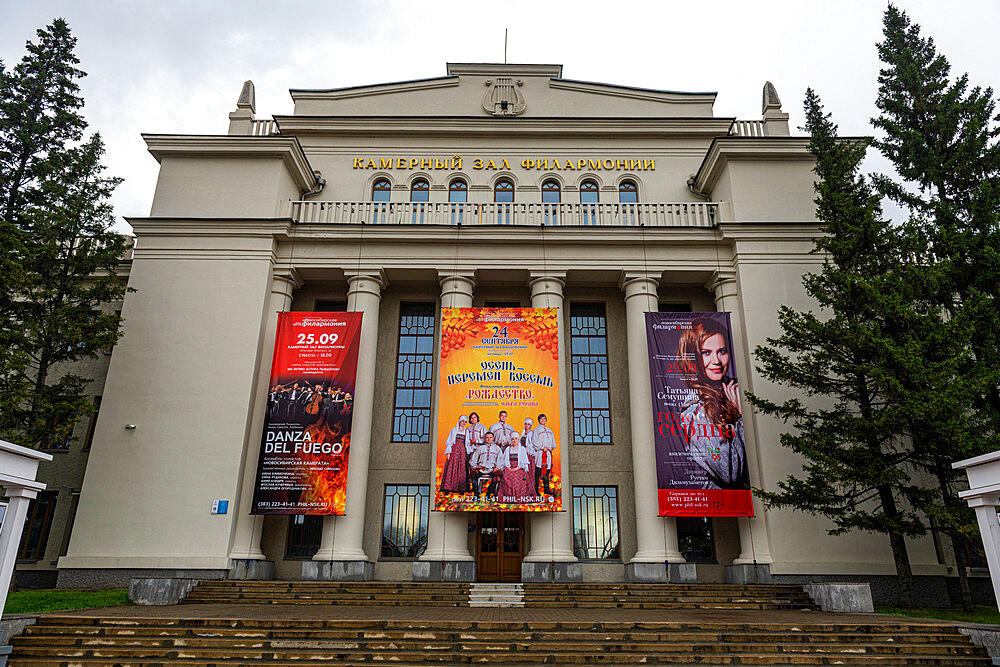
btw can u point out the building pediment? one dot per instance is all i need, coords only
(502, 90)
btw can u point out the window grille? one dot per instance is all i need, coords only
(414, 370)
(595, 522)
(36, 526)
(589, 194)
(694, 539)
(404, 520)
(89, 440)
(589, 359)
(304, 534)
(458, 195)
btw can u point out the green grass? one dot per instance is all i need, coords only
(980, 615)
(34, 601)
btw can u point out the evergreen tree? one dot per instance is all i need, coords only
(59, 250)
(851, 437)
(941, 136)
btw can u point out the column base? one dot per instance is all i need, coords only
(338, 570)
(645, 573)
(251, 570)
(749, 574)
(449, 570)
(549, 572)
(682, 573)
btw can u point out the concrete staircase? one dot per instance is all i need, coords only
(496, 595)
(79, 640)
(379, 593)
(667, 596)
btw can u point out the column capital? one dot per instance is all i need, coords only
(467, 276)
(540, 275)
(359, 279)
(12, 490)
(286, 280)
(639, 283)
(983, 501)
(722, 283)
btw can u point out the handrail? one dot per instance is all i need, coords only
(647, 214)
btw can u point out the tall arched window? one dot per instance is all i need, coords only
(381, 190)
(550, 192)
(503, 194)
(628, 193)
(420, 190)
(458, 195)
(503, 191)
(589, 195)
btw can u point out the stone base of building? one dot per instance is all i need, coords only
(338, 570)
(541, 572)
(150, 591)
(35, 578)
(449, 570)
(646, 573)
(122, 577)
(930, 591)
(842, 597)
(251, 570)
(682, 573)
(748, 573)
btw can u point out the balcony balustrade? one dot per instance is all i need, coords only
(647, 214)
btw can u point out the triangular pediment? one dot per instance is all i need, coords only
(505, 90)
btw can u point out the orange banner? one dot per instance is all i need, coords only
(498, 411)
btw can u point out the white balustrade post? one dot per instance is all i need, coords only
(246, 560)
(447, 555)
(10, 535)
(989, 529)
(656, 536)
(551, 556)
(341, 553)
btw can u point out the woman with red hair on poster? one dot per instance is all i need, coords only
(454, 477)
(712, 416)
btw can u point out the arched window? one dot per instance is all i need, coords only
(550, 192)
(420, 191)
(381, 190)
(503, 191)
(589, 195)
(628, 193)
(458, 191)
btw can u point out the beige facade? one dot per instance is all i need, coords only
(241, 228)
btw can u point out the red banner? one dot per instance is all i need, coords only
(306, 441)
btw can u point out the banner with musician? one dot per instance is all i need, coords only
(701, 459)
(498, 411)
(302, 467)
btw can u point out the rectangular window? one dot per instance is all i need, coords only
(595, 522)
(36, 526)
(326, 306)
(503, 304)
(89, 440)
(694, 539)
(675, 308)
(304, 534)
(404, 520)
(414, 369)
(57, 438)
(589, 358)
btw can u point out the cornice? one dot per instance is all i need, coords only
(374, 89)
(489, 126)
(504, 69)
(287, 149)
(724, 149)
(671, 96)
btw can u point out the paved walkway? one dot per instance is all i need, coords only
(531, 615)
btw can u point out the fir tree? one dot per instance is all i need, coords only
(60, 252)
(851, 436)
(941, 136)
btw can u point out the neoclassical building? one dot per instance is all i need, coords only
(495, 185)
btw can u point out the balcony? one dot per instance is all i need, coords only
(649, 214)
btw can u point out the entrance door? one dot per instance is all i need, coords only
(500, 546)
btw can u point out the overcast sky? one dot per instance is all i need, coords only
(177, 66)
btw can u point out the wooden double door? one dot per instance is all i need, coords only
(499, 546)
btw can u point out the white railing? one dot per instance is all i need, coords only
(748, 128)
(263, 128)
(651, 214)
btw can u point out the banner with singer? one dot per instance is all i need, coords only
(701, 462)
(306, 442)
(498, 411)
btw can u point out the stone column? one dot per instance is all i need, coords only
(753, 564)
(246, 560)
(989, 530)
(551, 556)
(656, 536)
(341, 554)
(10, 535)
(447, 556)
